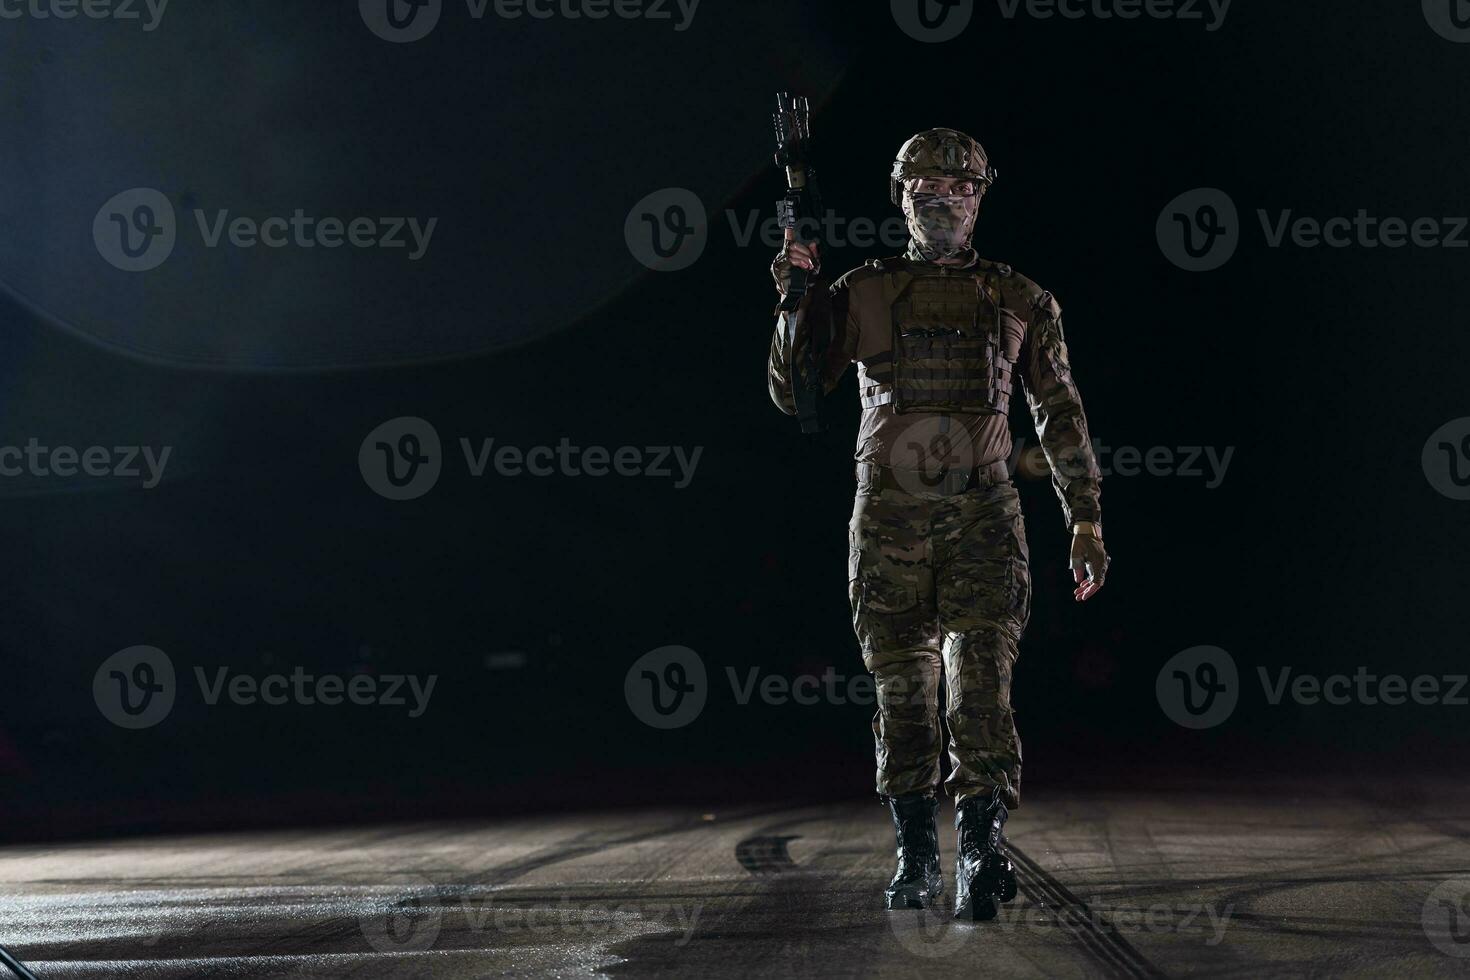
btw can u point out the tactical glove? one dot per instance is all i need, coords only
(1089, 562)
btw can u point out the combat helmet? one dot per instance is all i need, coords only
(940, 153)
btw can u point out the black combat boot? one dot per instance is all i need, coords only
(984, 876)
(916, 884)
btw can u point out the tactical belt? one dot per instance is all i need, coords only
(872, 477)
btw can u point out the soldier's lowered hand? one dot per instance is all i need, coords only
(1089, 565)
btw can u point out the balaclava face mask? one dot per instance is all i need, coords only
(940, 225)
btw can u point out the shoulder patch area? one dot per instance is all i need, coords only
(868, 270)
(1028, 295)
(1046, 305)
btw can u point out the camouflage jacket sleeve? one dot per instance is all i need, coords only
(822, 309)
(1056, 411)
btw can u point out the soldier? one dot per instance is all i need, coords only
(937, 564)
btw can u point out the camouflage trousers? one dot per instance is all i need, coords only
(941, 591)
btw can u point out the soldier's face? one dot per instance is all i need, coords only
(941, 211)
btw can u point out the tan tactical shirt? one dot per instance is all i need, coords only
(918, 440)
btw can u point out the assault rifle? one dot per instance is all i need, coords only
(801, 211)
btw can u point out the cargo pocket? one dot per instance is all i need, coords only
(979, 594)
(885, 611)
(1019, 574)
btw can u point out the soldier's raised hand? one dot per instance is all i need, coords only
(803, 255)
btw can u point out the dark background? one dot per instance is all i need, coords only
(529, 321)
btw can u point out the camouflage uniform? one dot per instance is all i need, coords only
(938, 566)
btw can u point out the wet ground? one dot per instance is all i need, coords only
(1184, 884)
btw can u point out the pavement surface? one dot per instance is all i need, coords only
(1125, 885)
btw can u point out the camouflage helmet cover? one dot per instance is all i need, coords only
(940, 153)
